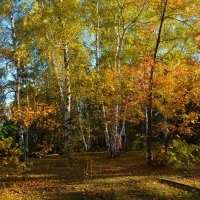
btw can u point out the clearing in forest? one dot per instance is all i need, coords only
(93, 176)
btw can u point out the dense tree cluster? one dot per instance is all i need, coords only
(100, 75)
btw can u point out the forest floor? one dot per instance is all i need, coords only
(93, 176)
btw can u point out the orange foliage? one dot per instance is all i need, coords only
(40, 112)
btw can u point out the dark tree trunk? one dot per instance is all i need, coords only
(151, 82)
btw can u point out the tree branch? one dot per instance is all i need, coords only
(135, 19)
(182, 21)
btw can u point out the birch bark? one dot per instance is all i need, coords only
(120, 32)
(67, 102)
(18, 86)
(97, 55)
(80, 127)
(107, 137)
(97, 36)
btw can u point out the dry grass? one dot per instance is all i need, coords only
(126, 177)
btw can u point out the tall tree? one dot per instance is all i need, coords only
(160, 51)
(60, 36)
(13, 50)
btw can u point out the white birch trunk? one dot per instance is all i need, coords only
(97, 36)
(146, 120)
(107, 138)
(60, 75)
(120, 37)
(84, 141)
(67, 102)
(80, 128)
(18, 87)
(88, 141)
(123, 131)
(83, 138)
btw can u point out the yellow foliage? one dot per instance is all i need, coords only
(39, 112)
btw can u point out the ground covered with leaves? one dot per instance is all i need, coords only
(93, 176)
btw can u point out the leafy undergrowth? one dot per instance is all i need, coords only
(93, 176)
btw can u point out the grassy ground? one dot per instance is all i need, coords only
(93, 176)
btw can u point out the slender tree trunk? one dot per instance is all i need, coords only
(27, 144)
(18, 86)
(27, 97)
(80, 128)
(83, 138)
(107, 138)
(115, 131)
(88, 142)
(97, 36)
(116, 124)
(123, 132)
(67, 102)
(59, 76)
(167, 136)
(120, 32)
(118, 51)
(27, 131)
(150, 98)
(146, 121)
(123, 136)
(120, 38)
(20, 132)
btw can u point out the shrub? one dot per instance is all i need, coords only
(9, 162)
(179, 154)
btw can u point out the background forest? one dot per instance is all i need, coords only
(76, 75)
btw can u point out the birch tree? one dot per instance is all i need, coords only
(61, 47)
(12, 48)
